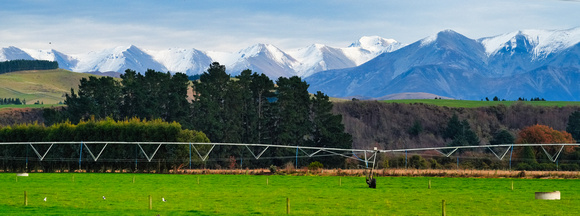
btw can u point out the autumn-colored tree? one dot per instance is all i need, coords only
(542, 134)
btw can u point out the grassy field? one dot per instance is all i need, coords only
(472, 104)
(48, 86)
(80, 194)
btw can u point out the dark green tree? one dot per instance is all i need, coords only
(176, 104)
(573, 126)
(461, 133)
(293, 102)
(416, 129)
(99, 97)
(262, 88)
(328, 130)
(454, 127)
(502, 137)
(134, 96)
(209, 103)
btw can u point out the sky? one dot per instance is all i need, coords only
(76, 27)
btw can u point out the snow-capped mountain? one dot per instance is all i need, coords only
(13, 53)
(264, 58)
(117, 59)
(189, 61)
(377, 45)
(531, 63)
(319, 57)
(261, 58)
(64, 61)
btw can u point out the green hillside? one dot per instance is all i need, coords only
(47, 86)
(473, 104)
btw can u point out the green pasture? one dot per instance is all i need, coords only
(473, 103)
(81, 194)
(48, 86)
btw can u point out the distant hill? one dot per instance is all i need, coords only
(109, 74)
(21, 64)
(47, 86)
(411, 95)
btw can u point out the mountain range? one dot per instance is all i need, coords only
(261, 58)
(527, 64)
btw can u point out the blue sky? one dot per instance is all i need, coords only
(220, 25)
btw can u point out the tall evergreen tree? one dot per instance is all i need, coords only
(294, 125)
(460, 132)
(249, 107)
(573, 126)
(503, 137)
(454, 127)
(209, 102)
(99, 97)
(328, 130)
(177, 105)
(133, 103)
(262, 88)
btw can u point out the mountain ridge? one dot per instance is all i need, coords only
(452, 65)
(262, 58)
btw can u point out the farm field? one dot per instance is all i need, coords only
(474, 104)
(81, 194)
(48, 86)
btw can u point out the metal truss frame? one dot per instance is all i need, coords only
(316, 151)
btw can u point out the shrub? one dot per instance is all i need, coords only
(570, 167)
(524, 166)
(315, 166)
(417, 162)
(546, 166)
(273, 169)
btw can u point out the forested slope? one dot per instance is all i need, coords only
(389, 125)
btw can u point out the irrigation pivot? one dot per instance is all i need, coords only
(371, 181)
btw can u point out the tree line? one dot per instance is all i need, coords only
(400, 126)
(15, 101)
(20, 65)
(115, 156)
(248, 108)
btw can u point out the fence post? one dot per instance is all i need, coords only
(287, 205)
(80, 156)
(25, 199)
(150, 203)
(443, 208)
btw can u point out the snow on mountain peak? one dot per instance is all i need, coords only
(374, 43)
(428, 40)
(189, 61)
(543, 42)
(447, 33)
(118, 59)
(268, 50)
(13, 53)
